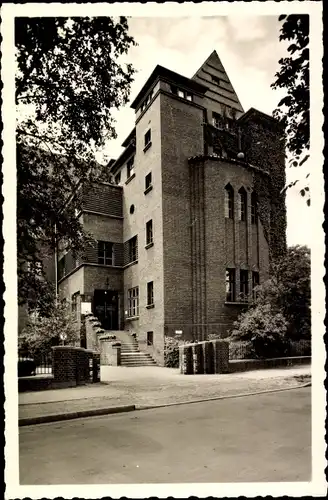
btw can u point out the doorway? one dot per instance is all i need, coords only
(105, 308)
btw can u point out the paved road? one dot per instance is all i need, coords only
(256, 438)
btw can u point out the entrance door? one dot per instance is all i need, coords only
(105, 305)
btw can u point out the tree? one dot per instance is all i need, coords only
(42, 333)
(294, 109)
(282, 303)
(69, 79)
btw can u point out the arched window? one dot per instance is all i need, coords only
(242, 204)
(254, 208)
(228, 201)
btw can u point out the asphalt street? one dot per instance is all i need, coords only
(265, 437)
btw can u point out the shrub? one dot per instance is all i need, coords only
(241, 350)
(265, 329)
(171, 351)
(42, 333)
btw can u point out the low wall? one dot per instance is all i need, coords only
(71, 366)
(211, 357)
(242, 365)
(110, 352)
(92, 331)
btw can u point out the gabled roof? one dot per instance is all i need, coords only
(166, 74)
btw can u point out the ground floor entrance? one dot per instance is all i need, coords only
(106, 308)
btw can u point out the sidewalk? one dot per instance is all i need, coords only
(152, 386)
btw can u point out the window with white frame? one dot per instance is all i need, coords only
(133, 301)
(105, 253)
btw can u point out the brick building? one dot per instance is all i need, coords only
(193, 216)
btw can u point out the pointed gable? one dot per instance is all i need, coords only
(213, 75)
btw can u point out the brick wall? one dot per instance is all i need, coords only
(103, 198)
(182, 137)
(219, 243)
(148, 206)
(71, 364)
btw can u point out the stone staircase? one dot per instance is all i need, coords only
(130, 353)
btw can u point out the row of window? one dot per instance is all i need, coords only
(130, 167)
(244, 285)
(242, 204)
(133, 299)
(184, 94)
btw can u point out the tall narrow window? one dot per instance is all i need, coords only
(133, 301)
(148, 182)
(150, 338)
(74, 303)
(118, 178)
(147, 138)
(242, 204)
(255, 283)
(149, 232)
(150, 293)
(243, 285)
(254, 208)
(105, 253)
(130, 167)
(229, 202)
(230, 285)
(133, 249)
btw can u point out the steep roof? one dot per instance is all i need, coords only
(214, 76)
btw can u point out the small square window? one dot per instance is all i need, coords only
(181, 93)
(150, 338)
(147, 137)
(188, 96)
(149, 232)
(150, 293)
(148, 181)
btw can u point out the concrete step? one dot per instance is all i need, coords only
(136, 355)
(139, 363)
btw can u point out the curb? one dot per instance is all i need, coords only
(217, 398)
(44, 419)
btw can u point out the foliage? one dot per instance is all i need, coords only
(265, 329)
(171, 351)
(281, 312)
(42, 333)
(241, 350)
(289, 291)
(294, 109)
(69, 79)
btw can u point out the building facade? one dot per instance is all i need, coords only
(192, 219)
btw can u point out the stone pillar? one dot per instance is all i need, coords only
(186, 359)
(110, 352)
(198, 358)
(209, 365)
(221, 356)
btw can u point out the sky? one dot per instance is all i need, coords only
(249, 49)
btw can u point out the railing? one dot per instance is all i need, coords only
(35, 365)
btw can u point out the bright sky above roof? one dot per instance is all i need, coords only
(249, 50)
